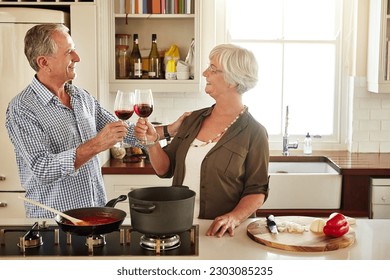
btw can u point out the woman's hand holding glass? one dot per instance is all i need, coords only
(143, 107)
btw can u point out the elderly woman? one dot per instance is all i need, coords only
(220, 152)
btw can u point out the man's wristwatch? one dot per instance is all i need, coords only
(167, 136)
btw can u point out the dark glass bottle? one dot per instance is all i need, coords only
(154, 60)
(135, 60)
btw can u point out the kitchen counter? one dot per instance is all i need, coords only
(117, 166)
(372, 164)
(372, 243)
(356, 169)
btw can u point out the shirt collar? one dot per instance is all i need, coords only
(43, 93)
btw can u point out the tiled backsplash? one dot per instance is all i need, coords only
(169, 106)
(370, 119)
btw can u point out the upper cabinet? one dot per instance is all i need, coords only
(378, 64)
(177, 28)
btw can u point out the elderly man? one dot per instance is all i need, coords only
(58, 129)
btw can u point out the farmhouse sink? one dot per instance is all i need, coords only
(303, 182)
(301, 168)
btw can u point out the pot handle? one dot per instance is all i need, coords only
(143, 208)
(114, 201)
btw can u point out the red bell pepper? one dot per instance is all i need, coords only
(336, 225)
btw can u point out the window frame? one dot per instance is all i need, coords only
(338, 140)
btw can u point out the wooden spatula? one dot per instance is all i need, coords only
(75, 221)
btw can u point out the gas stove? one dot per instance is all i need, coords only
(41, 239)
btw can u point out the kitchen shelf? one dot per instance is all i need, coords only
(178, 29)
(155, 85)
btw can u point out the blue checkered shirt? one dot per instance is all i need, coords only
(45, 135)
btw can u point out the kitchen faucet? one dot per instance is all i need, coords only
(286, 144)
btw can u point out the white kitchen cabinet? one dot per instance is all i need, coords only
(11, 206)
(178, 29)
(378, 54)
(380, 198)
(117, 185)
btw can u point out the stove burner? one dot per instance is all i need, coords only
(30, 242)
(96, 241)
(157, 243)
(31, 239)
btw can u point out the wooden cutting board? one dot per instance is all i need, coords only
(298, 242)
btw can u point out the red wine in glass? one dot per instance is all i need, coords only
(124, 106)
(124, 114)
(143, 110)
(143, 107)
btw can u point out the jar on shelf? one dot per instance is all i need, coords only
(122, 63)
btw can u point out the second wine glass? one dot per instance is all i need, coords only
(124, 107)
(143, 107)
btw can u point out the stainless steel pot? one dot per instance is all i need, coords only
(162, 210)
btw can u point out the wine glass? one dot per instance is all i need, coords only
(143, 107)
(124, 107)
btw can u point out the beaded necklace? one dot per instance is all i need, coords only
(222, 132)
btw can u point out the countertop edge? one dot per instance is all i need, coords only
(364, 164)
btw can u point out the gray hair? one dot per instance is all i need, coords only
(239, 66)
(38, 41)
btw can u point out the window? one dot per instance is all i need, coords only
(298, 47)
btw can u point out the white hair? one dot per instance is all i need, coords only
(239, 66)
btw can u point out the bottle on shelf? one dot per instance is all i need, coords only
(307, 145)
(135, 60)
(170, 70)
(122, 64)
(154, 71)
